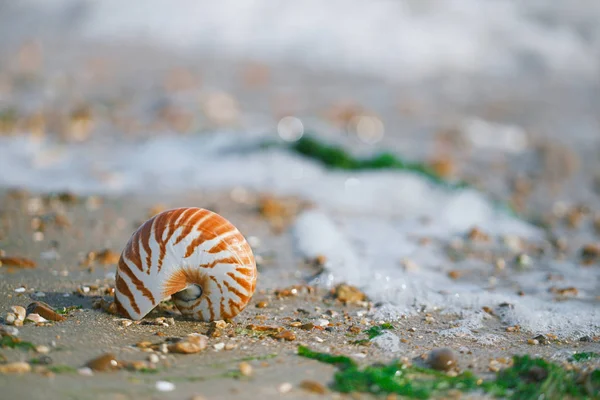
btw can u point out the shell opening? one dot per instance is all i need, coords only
(189, 294)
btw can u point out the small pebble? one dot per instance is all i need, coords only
(262, 304)
(15, 368)
(230, 346)
(85, 371)
(194, 343)
(284, 387)
(442, 359)
(42, 349)
(312, 386)
(285, 335)
(20, 290)
(153, 358)
(164, 386)
(245, 368)
(105, 362)
(219, 346)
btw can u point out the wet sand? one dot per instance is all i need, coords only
(97, 224)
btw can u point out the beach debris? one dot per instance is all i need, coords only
(104, 363)
(442, 359)
(590, 253)
(108, 257)
(193, 343)
(262, 304)
(15, 368)
(164, 386)
(565, 292)
(17, 262)
(313, 386)
(477, 235)
(44, 310)
(264, 328)
(245, 368)
(279, 212)
(307, 327)
(38, 319)
(285, 335)
(219, 346)
(188, 286)
(348, 294)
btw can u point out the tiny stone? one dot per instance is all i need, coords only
(230, 346)
(194, 343)
(153, 358)
(105, 362)
(307, 327)
(442, 359)
(262, 304)
(284, 387)
(322, 322)
(15, 368)
(42, 349)
(164, 386)
(85, 371)
(285, 335)
(245, 368)
(219, 346)
(20, 290)
(312, 386)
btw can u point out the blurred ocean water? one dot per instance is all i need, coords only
(399, 40)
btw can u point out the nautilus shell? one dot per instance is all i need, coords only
(192, 254)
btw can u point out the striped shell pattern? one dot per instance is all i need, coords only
(192, 254)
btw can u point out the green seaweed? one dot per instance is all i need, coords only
(534, 378)
(336, 157)
(585, 356)
(16, 343)
(528, 379)
(68, 310)
(377, 330)
(260, 358)
(147, 370)
(62, 369)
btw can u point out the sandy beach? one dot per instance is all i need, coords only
(395, 205)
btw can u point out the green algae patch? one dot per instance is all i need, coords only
(410, 381)
(338, 158)
(61, 369)
(378, 330)
(585, 356)
(528, 379)
(535, 378)
(16, 343)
